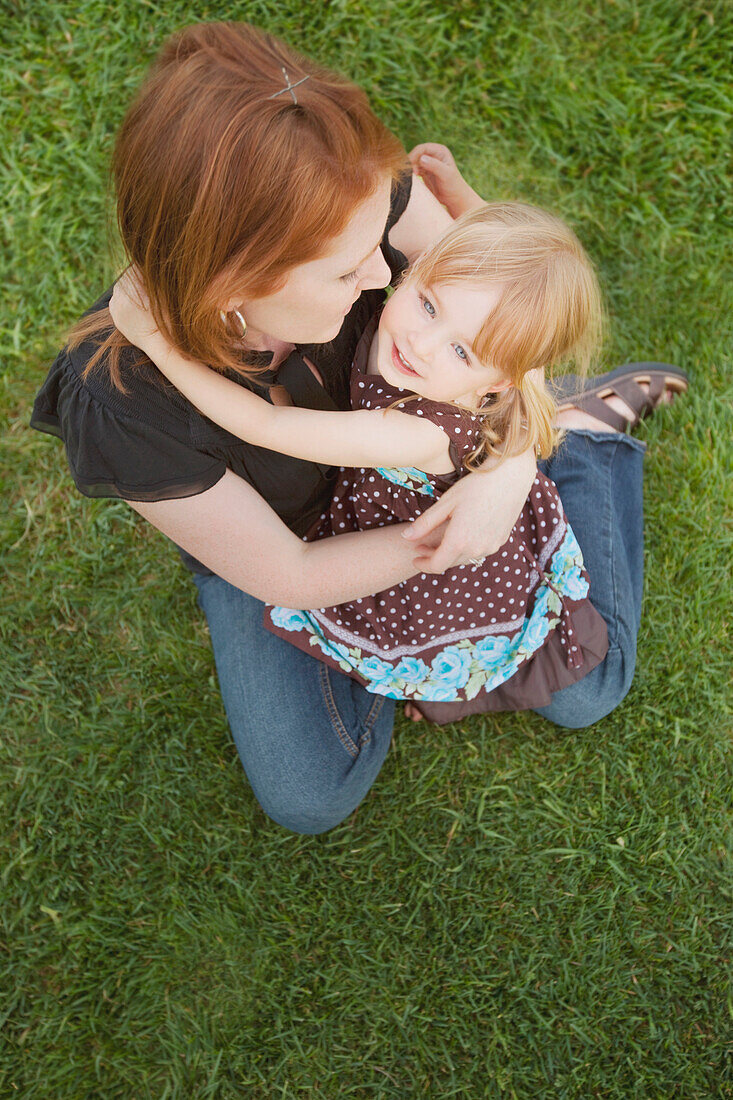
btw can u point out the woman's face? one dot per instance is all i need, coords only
(310, 307)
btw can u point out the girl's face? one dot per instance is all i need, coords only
(426, 338)
(311, 305)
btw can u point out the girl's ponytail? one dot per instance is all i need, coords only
(518, 417)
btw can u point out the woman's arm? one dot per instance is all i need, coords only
(439, 194)
(435, 165)
(358, 438)
(423, 222)
(477, 514)
(236, 534)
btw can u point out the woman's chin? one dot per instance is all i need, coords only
(331, 334)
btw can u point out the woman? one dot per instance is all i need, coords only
(262, 201)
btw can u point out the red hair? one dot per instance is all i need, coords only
(223, 189)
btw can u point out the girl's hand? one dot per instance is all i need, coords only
(480, 509)
(129, 308)
(435, 164)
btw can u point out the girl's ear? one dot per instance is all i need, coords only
(498, 387)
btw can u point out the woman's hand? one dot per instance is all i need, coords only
(129, 308)
(435, 164)
(476, 514)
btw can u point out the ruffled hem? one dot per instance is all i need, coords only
(534, 683)
(114, 455)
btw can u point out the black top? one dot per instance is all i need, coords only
(152, 444)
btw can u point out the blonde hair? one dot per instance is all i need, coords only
(549, 313)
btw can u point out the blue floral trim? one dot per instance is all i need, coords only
(462, 670)
(407, 477)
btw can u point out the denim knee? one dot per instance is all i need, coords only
(587, 702)
(306, 816)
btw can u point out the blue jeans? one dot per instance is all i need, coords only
(312, 741)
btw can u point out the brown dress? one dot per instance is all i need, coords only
(504, 635)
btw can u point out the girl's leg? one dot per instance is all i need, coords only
(599, 477)
(311, 740)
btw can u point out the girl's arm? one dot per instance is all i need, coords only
(359, 438)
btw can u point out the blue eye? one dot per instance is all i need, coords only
(427, 306)
(460, 352)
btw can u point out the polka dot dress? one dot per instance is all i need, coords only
(460, 634)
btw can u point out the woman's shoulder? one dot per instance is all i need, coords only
(138, 442)
(144, 394)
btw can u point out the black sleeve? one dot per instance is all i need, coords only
(401, 190)
(112, 454)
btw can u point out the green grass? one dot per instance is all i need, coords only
(513, 912)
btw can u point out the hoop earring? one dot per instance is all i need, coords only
(239, 317)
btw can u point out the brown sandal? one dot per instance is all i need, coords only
(570, 393)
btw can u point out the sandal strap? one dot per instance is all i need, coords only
(570, 392)
(657, 389)
(602, 411)
(639, 401)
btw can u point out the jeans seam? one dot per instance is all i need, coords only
(611, 555)
(340, 729)
(371, 719)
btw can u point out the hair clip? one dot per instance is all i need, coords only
(289, 87)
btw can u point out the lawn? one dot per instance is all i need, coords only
(514, 911)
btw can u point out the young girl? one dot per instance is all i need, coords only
(449, 372)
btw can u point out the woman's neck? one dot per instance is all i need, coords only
(260, 341)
